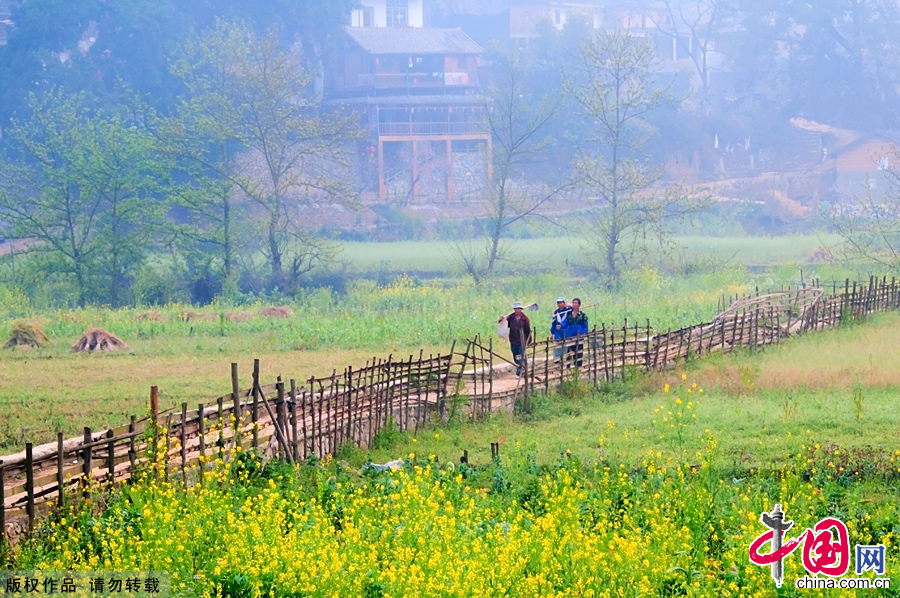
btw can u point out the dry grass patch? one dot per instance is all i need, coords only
(845, 358)
(276, 311)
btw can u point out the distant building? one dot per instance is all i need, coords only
(388, 13)
(524, 19)
(416, 90)
(864, 165)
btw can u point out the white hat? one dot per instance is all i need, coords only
(558, 299)
(517, 305)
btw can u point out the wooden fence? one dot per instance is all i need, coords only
(321, 414)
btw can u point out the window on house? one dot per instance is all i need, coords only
(397, 13)
(884, 163)
(368, 13)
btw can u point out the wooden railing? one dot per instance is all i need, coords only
(432, 128)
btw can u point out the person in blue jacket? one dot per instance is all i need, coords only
(576, 324)
(558, 325)
(559, 322)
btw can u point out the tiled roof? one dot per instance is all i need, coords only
(413, 40)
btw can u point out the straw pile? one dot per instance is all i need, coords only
(25, 335)
(97, 339)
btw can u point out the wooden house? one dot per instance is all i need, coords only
(416, 91)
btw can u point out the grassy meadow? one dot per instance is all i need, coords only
(437, 257)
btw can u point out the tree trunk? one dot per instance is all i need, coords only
(277, 268)
(611, 248)
(226, 231)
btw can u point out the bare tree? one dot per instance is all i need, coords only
(518, 117)
(615, 84)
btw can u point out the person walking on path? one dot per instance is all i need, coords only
(519, 334)
(576, 324)
(558, 325)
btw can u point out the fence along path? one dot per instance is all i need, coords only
(294, 420)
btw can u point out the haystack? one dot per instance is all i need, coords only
(273, 311)
(97, 339)
(25, 334)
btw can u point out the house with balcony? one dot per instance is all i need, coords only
(416, 90)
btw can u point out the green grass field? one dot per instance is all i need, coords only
(438, 257)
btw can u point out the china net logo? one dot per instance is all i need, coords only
(825, 553)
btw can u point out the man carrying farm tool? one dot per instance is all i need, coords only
(519, 334)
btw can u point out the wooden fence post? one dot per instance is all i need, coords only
(166, 449)
(348, 430)
(132, 453)
(312, 409)
(220, 441)
(110, 457)
(29, 485)
(86, 463)
(154, 405)
(202, 439)
(280, 423)
(491, 370)
(2, 506)
(236, 400)
(255, 408)
(184, 443)
(605, 358)
(60, 490)
(647, 349)
(154, 423)
(294, 442)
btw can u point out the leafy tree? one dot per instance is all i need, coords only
(80, 187)
(294, 150)
(615, 85)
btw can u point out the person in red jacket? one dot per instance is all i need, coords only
(519, 334)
